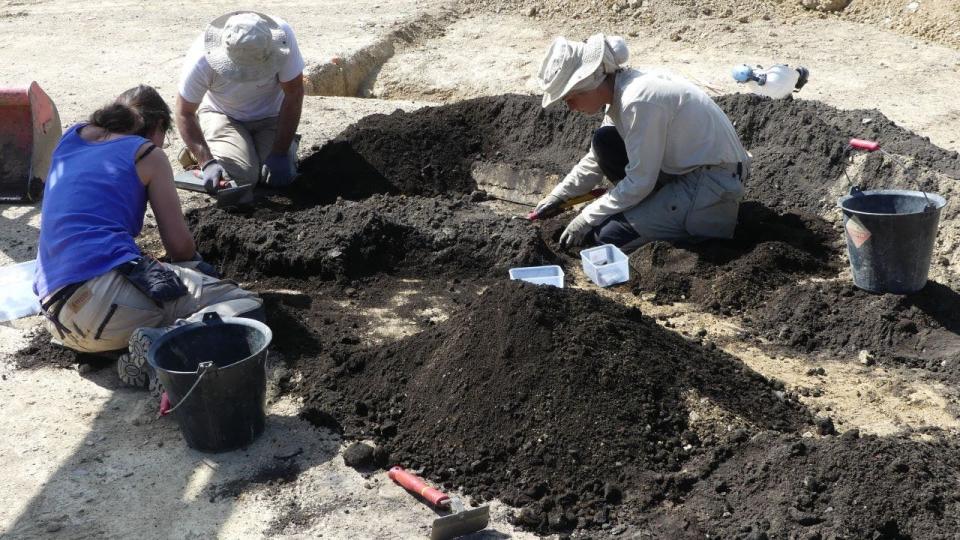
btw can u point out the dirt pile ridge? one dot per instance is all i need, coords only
(426, 236)
(556, 401)
(769, 250)
(916, 330)
(430, 151)
(780, 486)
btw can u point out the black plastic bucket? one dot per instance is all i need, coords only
(214, 373)
(890, 235)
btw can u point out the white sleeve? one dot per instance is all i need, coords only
(294, 64)
(196, 75)
(584, 176)
(646, 127)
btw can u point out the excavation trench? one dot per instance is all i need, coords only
(581, 412)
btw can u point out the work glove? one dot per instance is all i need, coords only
(548, 202)
(204, 267)
(279, 170)
(576, 232)
(213, 174)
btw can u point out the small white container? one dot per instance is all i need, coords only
(605, 265)
(539, 275)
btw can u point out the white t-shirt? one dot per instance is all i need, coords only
(244, 101)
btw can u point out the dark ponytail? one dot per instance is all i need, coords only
(138, 111)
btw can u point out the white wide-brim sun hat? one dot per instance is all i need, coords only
(245, 46)
(566, 64)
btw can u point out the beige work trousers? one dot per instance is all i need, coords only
(240, 147)
(101, 314)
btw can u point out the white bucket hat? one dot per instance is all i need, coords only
(245, 46)
(568, 63)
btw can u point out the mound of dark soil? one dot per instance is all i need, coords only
(554, 400)
(768, 250)
(798, 150)
(919, 330)
(350, 239)
(430, 151)
(781, 486)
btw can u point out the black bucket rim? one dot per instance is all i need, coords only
(938, 200)
(242, 321)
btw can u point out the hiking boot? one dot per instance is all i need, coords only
(132, 366)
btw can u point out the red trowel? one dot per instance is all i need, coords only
(459, 522)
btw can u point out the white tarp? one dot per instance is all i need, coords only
(16, 291)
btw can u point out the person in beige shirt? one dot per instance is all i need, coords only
(673, 156)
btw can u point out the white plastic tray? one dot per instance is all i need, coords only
(539, 275)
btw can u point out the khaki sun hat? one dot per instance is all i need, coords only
(566, 64)
(245, 46)
(574, 66)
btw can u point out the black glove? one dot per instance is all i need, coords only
(204, 267)
(213, 173)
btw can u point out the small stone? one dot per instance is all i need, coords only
(866, 121)
(388, 428)
(743, 19)
(825, 426)
(83, 369)
(532, 12)
(866, 358)
(54, 527)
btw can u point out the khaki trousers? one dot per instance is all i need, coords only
(101, 314)
(240, 147)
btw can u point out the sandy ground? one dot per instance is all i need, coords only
(85, 459)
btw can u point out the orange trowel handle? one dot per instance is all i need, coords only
(415, 484)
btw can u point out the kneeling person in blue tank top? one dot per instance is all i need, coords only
(97, 290)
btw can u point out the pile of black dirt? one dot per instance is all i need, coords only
(553, 400)
(798, 149)
(783, 486)
(428, 236)
(917, 330)
(769, 249)
(42, 352)
(430, 151)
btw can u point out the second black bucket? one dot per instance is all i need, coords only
(890, 235)
(214, 373)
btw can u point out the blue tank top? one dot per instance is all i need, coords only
(93, 207)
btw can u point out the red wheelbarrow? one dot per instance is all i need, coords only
(29, 131)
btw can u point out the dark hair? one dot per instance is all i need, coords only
(138, 111)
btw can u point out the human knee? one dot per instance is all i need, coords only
(610, 152)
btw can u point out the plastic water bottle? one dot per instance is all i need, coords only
(777, 81)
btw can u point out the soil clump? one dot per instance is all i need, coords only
(557, 401)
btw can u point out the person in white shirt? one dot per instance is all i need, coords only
(240, 98)
(673, 156)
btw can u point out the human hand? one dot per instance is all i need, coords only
(213, 176)
(279, 170)
(548, 202)
(576, 232)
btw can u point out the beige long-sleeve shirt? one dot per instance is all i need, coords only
(667, 124)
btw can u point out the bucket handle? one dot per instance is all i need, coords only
(202, 370)
(874, 146)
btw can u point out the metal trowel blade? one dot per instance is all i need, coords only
(235, 196)
(460, 523)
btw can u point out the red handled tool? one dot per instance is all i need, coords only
(874, 146)
(551, 211)
(458, 523)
